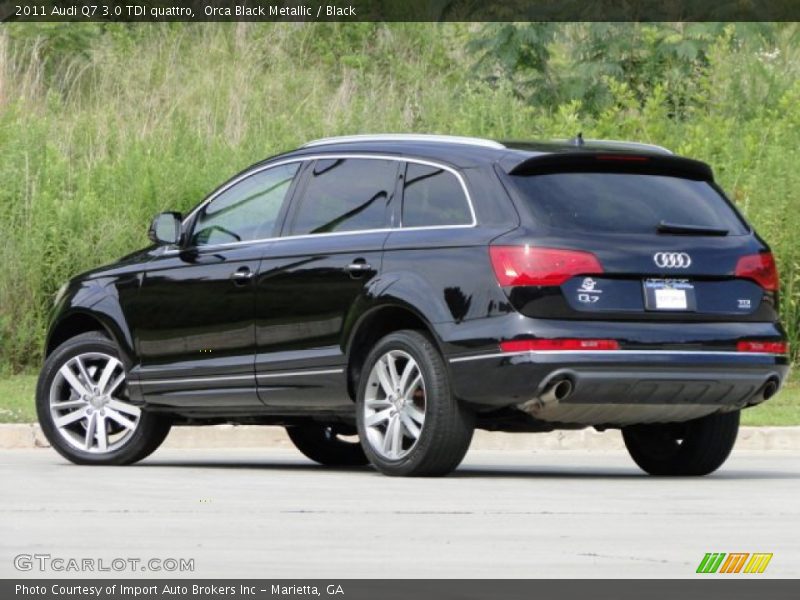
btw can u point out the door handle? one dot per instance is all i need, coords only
(241, 276)
(358, 267)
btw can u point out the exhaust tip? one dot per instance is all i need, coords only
(769, 389)
(562, 389)
(555, 390)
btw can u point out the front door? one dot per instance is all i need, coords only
(193, 319)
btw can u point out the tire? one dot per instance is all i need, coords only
(121, 432)
(433, 428)
(695, 448)
(321, 444)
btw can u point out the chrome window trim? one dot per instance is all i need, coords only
(620, 353)
(336, 156)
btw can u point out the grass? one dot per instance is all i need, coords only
(17, 404)
(783, 409)
(150, 118)
(17, 399)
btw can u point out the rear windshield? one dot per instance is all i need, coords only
(625, 202)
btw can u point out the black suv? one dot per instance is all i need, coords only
(407, 289)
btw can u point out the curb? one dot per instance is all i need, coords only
(29, 435)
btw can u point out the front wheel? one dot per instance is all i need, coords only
(696, 447)
(408, 420)
(84, 409)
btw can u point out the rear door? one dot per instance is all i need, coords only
(669, 245)
(316, 273)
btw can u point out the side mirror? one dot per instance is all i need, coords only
(165, 229)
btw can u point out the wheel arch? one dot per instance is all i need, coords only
(81, 321)
(376, 323)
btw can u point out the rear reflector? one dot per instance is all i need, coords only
(761, 269)
(765, 347)
(528, 265)
(560, 344)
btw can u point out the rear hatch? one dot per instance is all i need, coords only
(630, 237)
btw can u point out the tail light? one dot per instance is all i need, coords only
(528, 265)
(764, 347)
(557, 344)
(761, 269)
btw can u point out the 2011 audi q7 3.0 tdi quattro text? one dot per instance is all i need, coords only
(408, 289)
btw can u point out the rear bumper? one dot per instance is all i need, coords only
(618, 387)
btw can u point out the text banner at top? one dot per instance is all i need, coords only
(397, 10)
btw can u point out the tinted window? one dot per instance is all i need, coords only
(433, 196)
(246, 211)
(345, 195)
(625, 203)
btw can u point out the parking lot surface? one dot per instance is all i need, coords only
(271, 513)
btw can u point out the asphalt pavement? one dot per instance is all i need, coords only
(273, 514)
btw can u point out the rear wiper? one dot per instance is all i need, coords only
(679, 229)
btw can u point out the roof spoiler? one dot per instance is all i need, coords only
(613, 161)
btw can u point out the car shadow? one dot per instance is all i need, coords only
(468, 471)
(589, 472)
(241, 465)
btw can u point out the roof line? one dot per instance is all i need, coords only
(628, 145)
(406, 137)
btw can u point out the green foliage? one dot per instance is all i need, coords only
(522, 53)
(17, 404)
(550, 63)
(130, 120)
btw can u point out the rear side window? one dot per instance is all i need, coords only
(625, 202)
(433, 196)
(345, 195)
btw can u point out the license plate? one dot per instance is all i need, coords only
(669, 294)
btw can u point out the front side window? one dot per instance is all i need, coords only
(246, 211)
(433, 196)
(345, 195)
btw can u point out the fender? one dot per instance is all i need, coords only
(406, 291)
(97, 299)
(410, 289)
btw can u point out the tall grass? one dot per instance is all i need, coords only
(151, 118)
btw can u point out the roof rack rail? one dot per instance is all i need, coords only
(406, 137)
(634, 145)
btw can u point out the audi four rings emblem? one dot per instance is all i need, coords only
(672, 260)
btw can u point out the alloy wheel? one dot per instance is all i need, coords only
(89, 404)
(394, 405)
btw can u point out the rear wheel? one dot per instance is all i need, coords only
(696, 447)
(84, 409)
(324, 444)
(408, 420)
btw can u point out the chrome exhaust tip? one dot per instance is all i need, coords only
(559, 388)
(556, 391)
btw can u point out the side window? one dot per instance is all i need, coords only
(345, 195)
(246, 211)
(433, 196)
